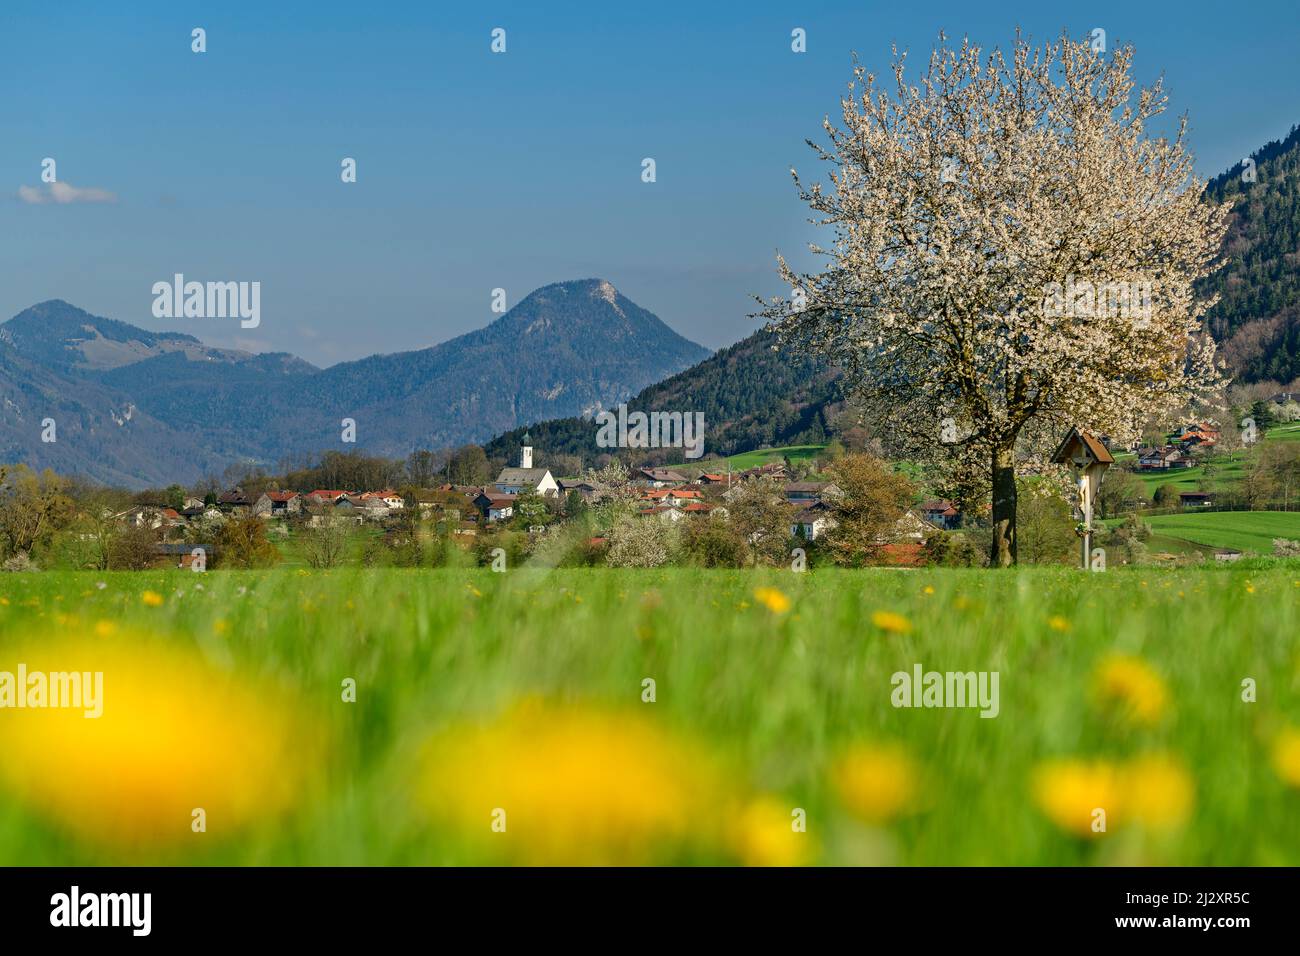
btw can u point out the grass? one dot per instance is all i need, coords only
(1240, 530)
(760, 456)
(757, 707)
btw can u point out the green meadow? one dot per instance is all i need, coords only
(769, 681)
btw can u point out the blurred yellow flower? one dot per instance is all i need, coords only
(151, 598)
(1286, 756)
(1070, 792)
(876, 783)
(765, 835)
(1058, 623)
(175, 735)
(772, 599)
(1129, 684)
(1159, 791)
(928, 589)
(889, 621)
(572, 785)
(1154, 790)
(105, 628)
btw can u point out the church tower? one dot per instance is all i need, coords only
(526, 452)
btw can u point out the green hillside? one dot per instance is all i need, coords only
(1239, 530)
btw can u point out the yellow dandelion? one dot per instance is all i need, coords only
(876, 783)
(105, 628)
(772, 599)
(1129, 685)
(174, 735)
(1058, 623)
(1250, 588)
(1286, 756)
(570, 785)
(5, 601)
(891, 622)
(220, 626)
(1159, 792)
(767, 832)
(1079, 795)
(928, 589)
(151, 599)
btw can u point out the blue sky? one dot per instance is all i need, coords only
(478, 171)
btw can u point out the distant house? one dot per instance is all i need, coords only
(524, 477)
(804, 492)
(712, 478)
(941, 513)
(776, 470)
(191, 502)
(1195, 499)
(911, 527)
(671, 497)
(390, 498)
(1162, 459)
(584, 488)
(496, 506)
(277, 504)
(149, 516)
(234, 500)
(813, 521)
(660, 477)
(324, 496)
(665, 513)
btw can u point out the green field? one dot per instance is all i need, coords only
(523, 694)
(760, 456)
(1251, 531)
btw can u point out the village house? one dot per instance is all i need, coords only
(391, 499)
(1195, 499)
(323, 496)
(660, 477)
(495, 505)
(277, 504)
(812, 521)
(671, 497)
(234, 500)
(584, 488)
(712, 478)
(941, 513)
(805, 492)
(524, 477)
(1162, 459)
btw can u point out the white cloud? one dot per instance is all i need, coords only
(62, 194)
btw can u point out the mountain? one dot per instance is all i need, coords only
(752, 394)
(137, 407)
(1257, 320)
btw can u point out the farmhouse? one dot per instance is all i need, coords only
(277, 504)
(941, 513)
(496, 506)
(1195, 499)
(811, 522)
(660, 477)
(803, 492)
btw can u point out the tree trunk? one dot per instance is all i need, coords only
(1003, 552)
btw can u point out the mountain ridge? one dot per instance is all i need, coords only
(568, 347)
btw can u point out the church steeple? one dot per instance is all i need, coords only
(526, 452)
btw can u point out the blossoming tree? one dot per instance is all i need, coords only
(1014, 252)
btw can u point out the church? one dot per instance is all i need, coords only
(524, 477)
